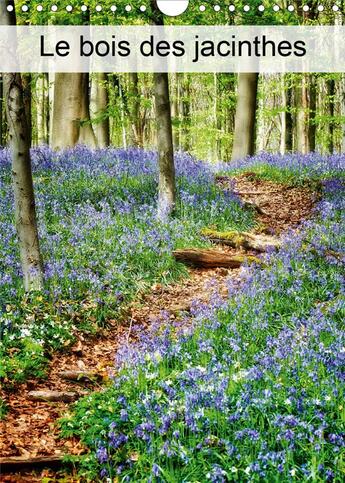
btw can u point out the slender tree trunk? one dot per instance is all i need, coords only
(166, 186)
(99, 106)
(312, 113)
(136, 121)
(24, 200)
(166, 197)
(286, 124)
(244, 135)
(342, 111)
(331, 105)
(302, 115)
(185, 110)
(27, 95)
(42, 107)
(175, 112)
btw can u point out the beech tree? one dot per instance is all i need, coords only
(244, 133)
(71, 114)
(166, 187)
(24, 200)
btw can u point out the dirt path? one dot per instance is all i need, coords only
(29, 428)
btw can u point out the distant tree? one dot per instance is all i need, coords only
(19, 140)
(244, 134)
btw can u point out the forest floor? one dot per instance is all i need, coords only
(29, 428)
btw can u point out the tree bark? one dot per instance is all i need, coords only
(86, 132)
(27, 95)
(244, 135)
(71, 115)
(166, 195)
(331, 105)
(42, 109)
(134, 109)
(166, 186)
(24, 200)
(286, 124)
(210, 258)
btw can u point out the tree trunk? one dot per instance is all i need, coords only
(286, 124)
(166, 185)
(175, 111)
(312, 113)
(185, 111)
(342, 110)
(99, 106)
(331, 104)
(166, 196)
(86, 132)
(66, 110)
(71, 115)
(42, 110)
(211, 258)
(134, 109)
(24, 200)
(27, 95)
(244, 135)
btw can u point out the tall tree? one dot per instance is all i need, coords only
(24, 200)
(166, 187)
(244, 134)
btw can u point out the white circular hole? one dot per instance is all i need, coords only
(83, 8)
(98, 8)
(335, 8)
(320, 8)
(128, 8)
(246, 8)
(305, 8)
(232, 8)
(54, 8)
(276, 8)
(113, 8)
(10, 8)
(25, 8)
(202, 8)
(291, 8)
(261, 8)
(39, 8)
(69, 8)
(216, 8)
(142, 8)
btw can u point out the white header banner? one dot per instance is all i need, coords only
(270, 49)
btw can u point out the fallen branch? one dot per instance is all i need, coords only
(80, 376)
(209, 258)
(249, 241)
(54, 396)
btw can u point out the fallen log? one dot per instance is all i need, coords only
(54, 396)
(249, 241)
(11, 464)
(80, 376)
(210, 258)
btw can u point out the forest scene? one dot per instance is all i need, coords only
(172, 264)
